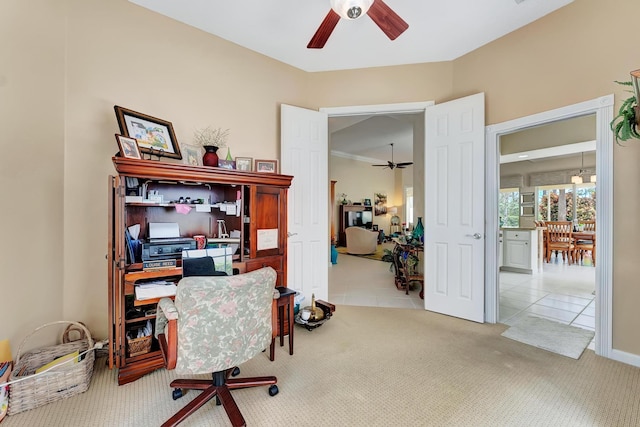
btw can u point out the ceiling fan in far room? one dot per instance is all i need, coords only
(392, 165)
(385, 18)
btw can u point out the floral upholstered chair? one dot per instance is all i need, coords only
(215, 324)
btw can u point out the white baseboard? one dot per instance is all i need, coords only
(624, 357)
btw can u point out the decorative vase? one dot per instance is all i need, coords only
(334, 254)
(418, 230)
(210, 157)
(229, 154)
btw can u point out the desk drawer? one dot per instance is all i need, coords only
(517, 235)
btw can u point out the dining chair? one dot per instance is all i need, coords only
(558, 238)
(582, 245)
(589, 224)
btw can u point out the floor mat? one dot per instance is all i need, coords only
(552, 336)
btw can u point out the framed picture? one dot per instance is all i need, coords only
(191, 155)
(367, 202)
(244, 164)
(380, 204)
(226, 164)
(128, 147)
(155, 136)
(268, 166)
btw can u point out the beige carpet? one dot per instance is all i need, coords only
(383, 367)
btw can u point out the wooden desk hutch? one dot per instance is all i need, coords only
(263, 206)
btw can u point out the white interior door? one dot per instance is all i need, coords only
(454, 211)
(304, 154)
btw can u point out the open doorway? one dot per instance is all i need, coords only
(544, 177)
(603, 109)
(358, 147)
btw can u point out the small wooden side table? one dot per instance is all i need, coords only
(285, 304)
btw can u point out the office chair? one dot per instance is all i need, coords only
(215, 324)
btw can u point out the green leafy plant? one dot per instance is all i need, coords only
(625, 124)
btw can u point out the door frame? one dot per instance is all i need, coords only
(603, 109)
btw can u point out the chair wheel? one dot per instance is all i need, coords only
(235, 372)
(177, 393)
(273, 390)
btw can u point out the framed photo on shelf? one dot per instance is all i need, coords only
(267, 166)
(128, 147)
(226, 164)
(367, 202)
(155, 136)
(191, 155)
(244, 164)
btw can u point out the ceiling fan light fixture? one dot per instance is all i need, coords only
(351, 9)
(576, 179)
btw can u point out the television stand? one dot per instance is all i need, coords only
(354, 216)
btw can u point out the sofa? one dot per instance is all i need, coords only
(361, 241)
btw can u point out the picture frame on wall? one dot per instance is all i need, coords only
(128, 147)
(380, 201)
(191, 155)
(155, 136)
(244, 164)
(266, 166)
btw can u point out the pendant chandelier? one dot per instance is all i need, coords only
(577, 178)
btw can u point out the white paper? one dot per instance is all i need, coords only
(203, 208)
(158, 291)
(163, 230)
(134, 230)
(267, 239)
(231, 209)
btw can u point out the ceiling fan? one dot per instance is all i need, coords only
(385, 18)
(392, 165)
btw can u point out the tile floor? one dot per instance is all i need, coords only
(361, 281)
(562, 292)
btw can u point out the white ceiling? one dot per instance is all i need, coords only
(368, 138)
(439, 30)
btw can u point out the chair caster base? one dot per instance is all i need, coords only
(273, 390)
(177, 393)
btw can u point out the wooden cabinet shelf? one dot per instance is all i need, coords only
(261, 200)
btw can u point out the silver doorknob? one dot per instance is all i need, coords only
(476, 236)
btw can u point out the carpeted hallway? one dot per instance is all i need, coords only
(372, 366)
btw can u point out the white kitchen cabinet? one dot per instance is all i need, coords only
(520, 250)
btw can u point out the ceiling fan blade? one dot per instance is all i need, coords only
(403, 164)
(388, 21)
(381, 165)
(324, 30)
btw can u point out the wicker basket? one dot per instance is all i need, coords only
(138, 346)
(57, 383)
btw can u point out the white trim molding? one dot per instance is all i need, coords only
(603, 109)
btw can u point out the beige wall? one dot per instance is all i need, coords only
(32, 103)
(570, 56)
(118, 53)
(359, 180)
